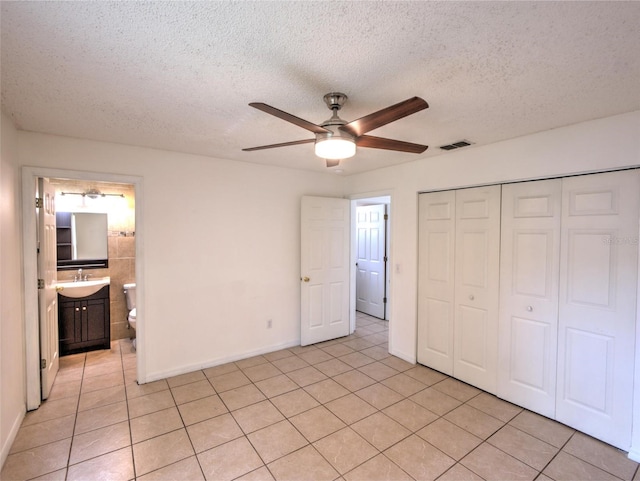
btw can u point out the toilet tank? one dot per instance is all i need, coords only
(130, 295)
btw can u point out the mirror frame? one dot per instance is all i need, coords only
(83, 264)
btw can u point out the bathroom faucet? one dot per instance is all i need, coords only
(78, 276)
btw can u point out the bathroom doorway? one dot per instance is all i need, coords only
(124, 231)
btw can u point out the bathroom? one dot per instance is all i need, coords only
(119, 205)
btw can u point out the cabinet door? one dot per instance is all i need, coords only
(436, 280)
(529, 270)
(68, 327)
(477, 254)
(95, 318)
(598, 279)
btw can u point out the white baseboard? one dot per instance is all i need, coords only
(155, 376)
(6, 445)
(405, 357)
(634, 454)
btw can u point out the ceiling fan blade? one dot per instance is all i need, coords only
(284, 144)
(385, 116)
(389, 144)
(316, 129)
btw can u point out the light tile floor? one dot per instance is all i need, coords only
(342, 409)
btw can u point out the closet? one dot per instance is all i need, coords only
(565, 297)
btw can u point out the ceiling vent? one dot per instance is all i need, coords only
(456, 145)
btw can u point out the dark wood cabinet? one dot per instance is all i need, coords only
(84, 323)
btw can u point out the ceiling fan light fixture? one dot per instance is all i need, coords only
(335, 148)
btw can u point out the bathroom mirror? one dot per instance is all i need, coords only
(81, 239)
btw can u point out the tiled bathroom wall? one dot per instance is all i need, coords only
(121, 241)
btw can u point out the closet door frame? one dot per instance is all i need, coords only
(634, 448)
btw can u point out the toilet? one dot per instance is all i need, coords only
(130, 295)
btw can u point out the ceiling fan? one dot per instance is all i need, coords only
(336, 139)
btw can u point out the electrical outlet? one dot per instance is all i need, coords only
(269, 323)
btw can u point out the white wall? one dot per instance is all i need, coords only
(220, 247)
(12, 366)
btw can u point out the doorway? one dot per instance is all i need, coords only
(371, 259)
(30, 243)
(382, 273)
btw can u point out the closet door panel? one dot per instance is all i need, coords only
(472, 328)
(529, 271)
(477, 248)
(598, 282)
(436, 280)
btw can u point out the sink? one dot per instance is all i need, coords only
(82, 288)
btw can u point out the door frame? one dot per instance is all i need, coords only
(382, 197)
(30, 268)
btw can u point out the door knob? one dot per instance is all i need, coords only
(471, 298)
(305, 279)
(529, 308)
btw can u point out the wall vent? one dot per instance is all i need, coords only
(456, 145)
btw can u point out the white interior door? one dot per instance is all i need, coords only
(477, 286)
(370, 258)
(47, 295)
(529, 271)
(598, 279)
(324, 277)
(436, 288)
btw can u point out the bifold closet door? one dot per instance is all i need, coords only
(529, 272)
(477, 260)
(597, 310)
(437, 216)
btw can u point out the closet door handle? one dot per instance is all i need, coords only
(529, 308)
(471, 298)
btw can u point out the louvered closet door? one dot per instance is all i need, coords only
(529, 271)
(598, 280)
(436, 280)
(477, 286)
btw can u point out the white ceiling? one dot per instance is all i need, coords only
(179, 76)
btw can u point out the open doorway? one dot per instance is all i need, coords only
(371, 259)
(124, 228)
(371, 236)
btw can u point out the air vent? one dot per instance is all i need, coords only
(456, 145)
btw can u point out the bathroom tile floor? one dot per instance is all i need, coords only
(343, 409)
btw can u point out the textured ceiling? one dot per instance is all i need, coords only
(179, 75)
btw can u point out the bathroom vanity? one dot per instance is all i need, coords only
(83, 322)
